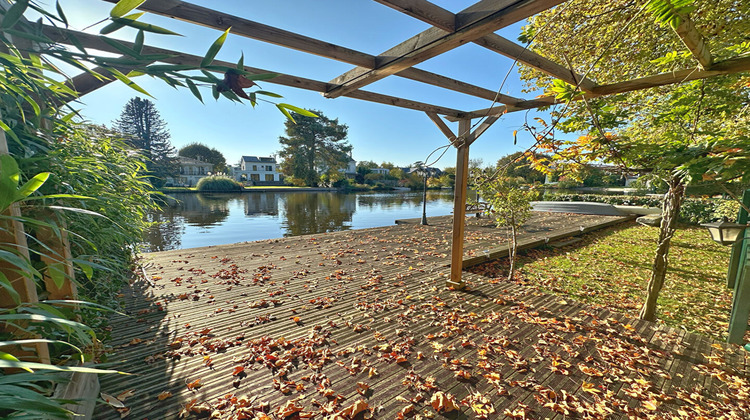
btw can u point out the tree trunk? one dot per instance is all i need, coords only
(512, 253)
(670, 211)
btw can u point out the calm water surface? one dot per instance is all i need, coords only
(217, 219)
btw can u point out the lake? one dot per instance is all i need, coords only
(217, 219)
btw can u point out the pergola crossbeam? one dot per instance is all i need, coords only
(472, 23)
(91, 41)
(444, 19)
(213, 19)
(694, 41)
(731, 66)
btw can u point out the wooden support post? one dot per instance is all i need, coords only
(736, 262)
(58, 259)
(13, 236)
(740, 307)
(459, 203)
(738, 319)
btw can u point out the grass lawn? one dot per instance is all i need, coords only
(612, 268)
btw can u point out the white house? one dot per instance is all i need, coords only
(259, 170)
(192, 170)
(381, 171)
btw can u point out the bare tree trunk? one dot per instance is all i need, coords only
(670, 211)
(512, 253)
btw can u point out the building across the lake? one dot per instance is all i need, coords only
(191, 171)
(258, 170)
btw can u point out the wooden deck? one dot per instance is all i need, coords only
(314, 324)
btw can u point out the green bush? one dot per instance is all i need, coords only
(218, 183)
(693, 211)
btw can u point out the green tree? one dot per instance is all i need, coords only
(207, 154)
(144, 128)
(687, 133)
(517, 165)
(312, 145)
(511, 207)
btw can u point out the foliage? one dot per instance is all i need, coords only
(510, 206)
(142, 125)
(517, 165)
(313, 145)
(592, 272)
(207, 154)
(684, 133)
(218, 183)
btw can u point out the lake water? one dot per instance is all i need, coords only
(217, 219)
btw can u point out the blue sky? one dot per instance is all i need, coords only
(377, 132)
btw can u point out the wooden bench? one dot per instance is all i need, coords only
(478, 208)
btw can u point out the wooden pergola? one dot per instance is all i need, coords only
(475, 24)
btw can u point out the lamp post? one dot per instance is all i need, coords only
(424, 198)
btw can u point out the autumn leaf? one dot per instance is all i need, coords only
(443, 403)
(589, 387)
(194, 385)
(164, 395)
(114, 402)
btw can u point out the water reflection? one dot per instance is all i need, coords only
(307, 213)
(213, 219)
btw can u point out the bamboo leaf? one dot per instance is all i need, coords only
(119, 23)
(32, 185)
(5, 364)
(8, 286)
(121, 77)
(61, 14)
(194, 89)
(299, 110)
(14, 14)
(214, 49)
(124, 6)
(285, 112)
(241, 62)
(119, 46)
(271, 94)
(145, 27)
(57, 273)
(138, 46)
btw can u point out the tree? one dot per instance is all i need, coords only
(687, 133)
(207, 154)
(312, 145)
(517, 165)
(511, 207)
(141, 123)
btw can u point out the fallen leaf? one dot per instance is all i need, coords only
(164, 395)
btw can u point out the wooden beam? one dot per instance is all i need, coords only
(459, 207)
(523, 55)
(474, 22)
(456, 85)
(94, 42)
(694, 41)
(447, 132)
(217, 20)
(85, 83)
(13, 236)
(731, 66)
(445, 20)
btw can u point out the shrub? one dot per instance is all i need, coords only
(218, 183)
